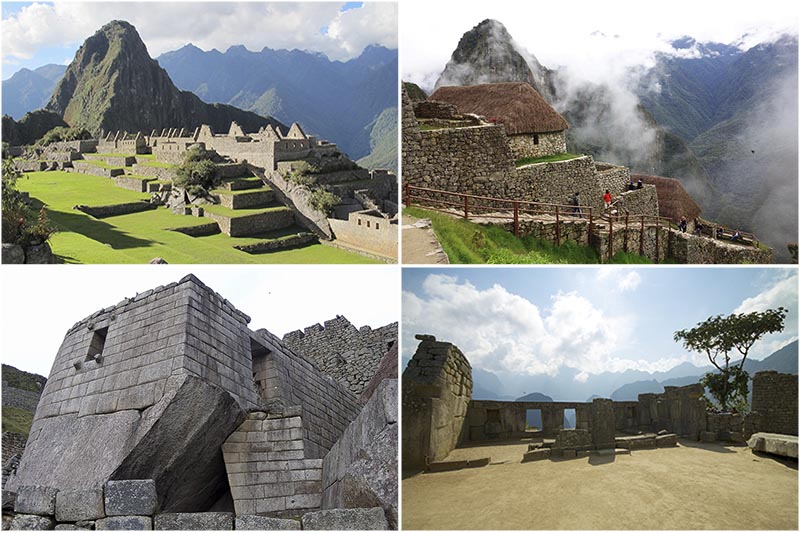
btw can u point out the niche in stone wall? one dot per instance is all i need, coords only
(97, 345)
(570, 417)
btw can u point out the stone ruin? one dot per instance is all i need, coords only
(440, 415)
(172, 386)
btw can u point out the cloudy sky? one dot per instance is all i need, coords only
(537, 320)
(38, 33)
(41, 304)
(596, 39)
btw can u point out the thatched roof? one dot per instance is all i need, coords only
(516, 105)
(673, 200)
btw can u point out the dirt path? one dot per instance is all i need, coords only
(420, 245)
(692, 486)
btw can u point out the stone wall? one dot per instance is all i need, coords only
(103, 211)
(537, 144)
(248, 200)
(19, 398)
(285, 379)
(437, 388)
(255, 223)
(680, 410)
(150, 171)
(613, 178)
(374, 232)
(361, 468)
(131, 183)
(634, 240)
(704, 250)
(489, 419)
(775, 402)
(434, 109)
(339, 349)
(84, 167)
(558, 181)
(642, 201)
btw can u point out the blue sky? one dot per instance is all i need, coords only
(39, 33)
(535, 320)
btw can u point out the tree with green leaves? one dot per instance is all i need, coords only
(718, 337)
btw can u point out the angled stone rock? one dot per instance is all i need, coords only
(346, 520)
(35, 499)
(774, 443)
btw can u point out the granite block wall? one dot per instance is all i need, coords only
(775, 402)
(348, 354)
(537, 145)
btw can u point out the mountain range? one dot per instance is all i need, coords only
(113, 83)
(719, 118)
(615, 385)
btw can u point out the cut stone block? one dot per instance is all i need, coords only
(125, 523)
(265, 523)
(663, 441)
(477, 463)
(74, 505)
(194, 521)
(774, 443)
(536, 455)
(70, 527)
(444, 466)
(708, 436)
(569, 454)
(9, 500)
(35, 499)
(346, 519)
(131, 497)
(32, 522)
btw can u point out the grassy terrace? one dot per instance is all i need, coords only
(468, 243)
(545, 159)
(234, 213)
(139, 237)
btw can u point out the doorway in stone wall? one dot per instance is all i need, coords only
(570, 417)
(533, 420)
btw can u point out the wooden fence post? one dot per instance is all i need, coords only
(657, 232)
(610, 236)
(466, 207)
(558, 229)
(641, 237)
(516, 219)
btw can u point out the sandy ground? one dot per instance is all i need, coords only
(420, 245)
(692, 486)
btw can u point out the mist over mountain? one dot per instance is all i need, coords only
(28, 90)
(721, 120)
(338, 101)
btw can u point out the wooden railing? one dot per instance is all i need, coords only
(642, 221)
(720, 232)
(499, 208)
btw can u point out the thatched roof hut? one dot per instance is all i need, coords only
(673, 200)
(516, 105)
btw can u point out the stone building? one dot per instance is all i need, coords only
(172, 386)
(533, 127)
(439, 414)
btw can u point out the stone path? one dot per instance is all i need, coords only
(420, 245)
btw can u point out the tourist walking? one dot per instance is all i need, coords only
(607, 198)
(682, 224)
(576, 202)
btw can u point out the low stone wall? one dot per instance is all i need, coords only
(30, 166)
(695, 249)
(558, 181)
(132, 184)
(292, 241)
(202, 230)
(104, 211)
(537, 144)
(233, 170)
(83, 167)
(20, 398)
(633, 240)
(436, 109)
(159, 173)
(726, 427)
(246, 200)
(642, 201)
(119, 160)
(570, 230)
(250, 224)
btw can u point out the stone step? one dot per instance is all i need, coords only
(244, 223)
(241, 184)
(244, 199)
(294, 240)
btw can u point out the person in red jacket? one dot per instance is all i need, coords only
(607, 198)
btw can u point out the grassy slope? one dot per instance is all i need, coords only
(465, 242)
(139, 237)
(17, 420)
(19, 379)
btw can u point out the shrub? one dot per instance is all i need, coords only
(60, 133)
(20, 225)
(197, 173)
(324, 201)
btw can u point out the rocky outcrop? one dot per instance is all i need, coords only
(113, 84)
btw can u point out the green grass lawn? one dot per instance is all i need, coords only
(466, 242)
(545, 159)
(139, 237)
(17, 420)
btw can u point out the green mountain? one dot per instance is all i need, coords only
(29, 90)
(21, 392)
(30, 128)
(382, 142)
(114, 84)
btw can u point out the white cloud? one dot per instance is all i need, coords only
(499, 330)
(624, 279)
(780, 292)
(207, 25)
(630, 281)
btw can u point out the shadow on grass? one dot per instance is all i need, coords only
(94, 229)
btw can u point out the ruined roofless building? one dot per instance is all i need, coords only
(171, 385)
(533, 127)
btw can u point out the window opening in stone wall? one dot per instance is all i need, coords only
(569, 418)
(535, 138)
(533, 420)
(97, 344)
(377, 226)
